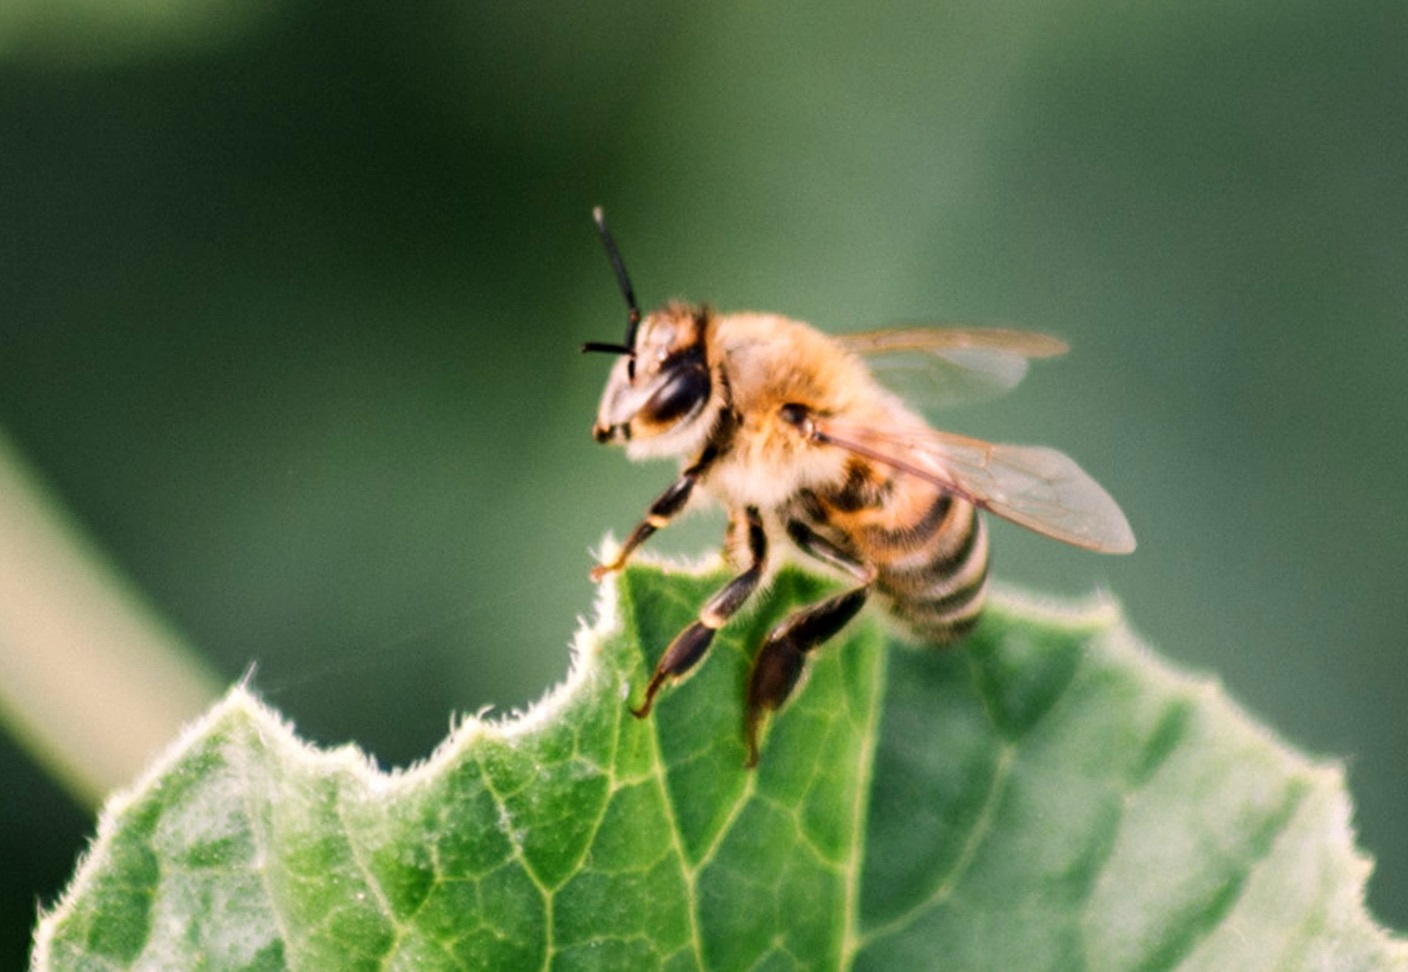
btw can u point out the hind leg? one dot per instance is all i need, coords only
(783, 657)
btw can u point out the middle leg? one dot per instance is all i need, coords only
(691, 644)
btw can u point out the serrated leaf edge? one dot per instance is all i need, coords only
(1099, 612)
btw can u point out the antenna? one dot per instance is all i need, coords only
(627, 291)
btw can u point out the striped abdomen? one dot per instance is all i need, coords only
(929, 549)
(937, 579)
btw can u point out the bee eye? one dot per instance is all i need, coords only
(681, 394)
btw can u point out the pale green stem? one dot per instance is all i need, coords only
(92, 682)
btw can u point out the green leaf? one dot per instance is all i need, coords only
(1046, 796)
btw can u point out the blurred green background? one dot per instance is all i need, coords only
(291, 294)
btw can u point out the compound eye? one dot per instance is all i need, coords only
(683, 393)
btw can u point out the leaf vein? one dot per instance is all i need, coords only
(977, 834)
(852, 872)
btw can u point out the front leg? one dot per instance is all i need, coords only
(665, 508)
(691, 644)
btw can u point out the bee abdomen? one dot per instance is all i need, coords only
(938, 587)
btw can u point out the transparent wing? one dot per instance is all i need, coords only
(943, 340)
(943, 366)
(1033, 486)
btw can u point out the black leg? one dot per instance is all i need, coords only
(783, 657)
(815, 545)
(691, 644)
(665, 508)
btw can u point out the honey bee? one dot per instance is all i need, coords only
(791, 432)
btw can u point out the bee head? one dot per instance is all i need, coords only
(662, 384)
(661, 380)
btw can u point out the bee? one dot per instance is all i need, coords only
(789, 429)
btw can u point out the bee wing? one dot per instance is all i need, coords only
(1033, 486)
(943, 366)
